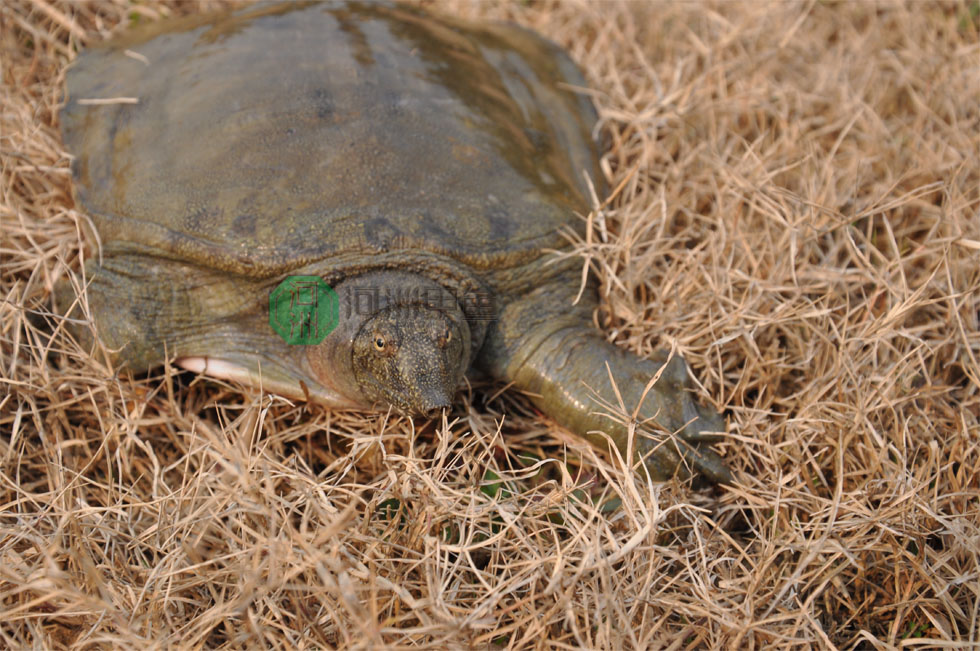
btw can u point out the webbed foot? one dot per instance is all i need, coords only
(595, 389)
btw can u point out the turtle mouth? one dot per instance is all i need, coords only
(429, 406)
(428, 412)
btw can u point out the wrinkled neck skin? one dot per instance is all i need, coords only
(544, 345)
(370, 298)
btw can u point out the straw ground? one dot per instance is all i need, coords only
(793, 206)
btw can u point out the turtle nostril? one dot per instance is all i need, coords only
(434, 412)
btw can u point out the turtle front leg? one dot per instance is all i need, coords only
(569, 371)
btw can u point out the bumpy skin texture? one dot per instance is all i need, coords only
(402, 341)
(379, 148)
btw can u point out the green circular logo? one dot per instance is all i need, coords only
(303, 310)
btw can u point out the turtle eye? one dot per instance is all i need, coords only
(445, 338)
(379, 342)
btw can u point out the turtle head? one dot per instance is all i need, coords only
(411, 357)
(402, 341)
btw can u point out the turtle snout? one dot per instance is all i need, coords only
(433, 403)
(430, 394)
(433, 413)
(428, 375)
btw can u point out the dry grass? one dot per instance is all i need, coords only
(796, 209)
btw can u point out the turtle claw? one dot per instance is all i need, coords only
(705, 425)
(705, 462)
(664, 457)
